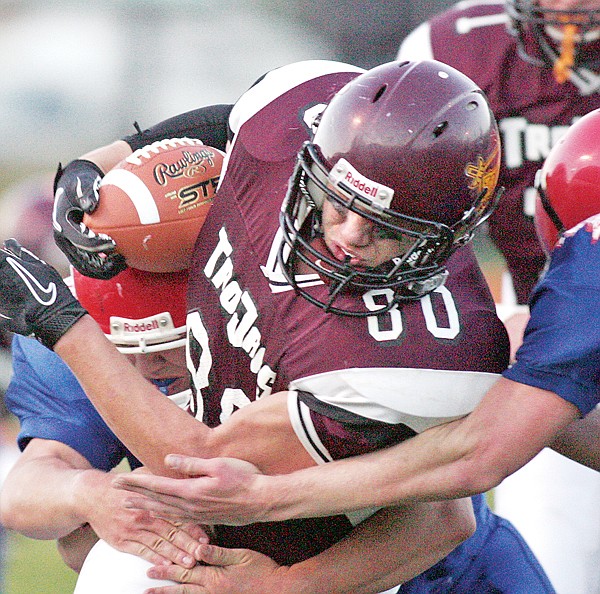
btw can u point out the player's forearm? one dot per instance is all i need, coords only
(383, 478)
(458, 459)
(388, 549)
(39, 499)
(108, 156)
(149, 424)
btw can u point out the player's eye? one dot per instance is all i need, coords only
(339, 208)
(386, 233)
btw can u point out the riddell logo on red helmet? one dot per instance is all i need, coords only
(140, 326)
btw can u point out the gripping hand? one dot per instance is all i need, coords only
(76, 193)
(33, 297)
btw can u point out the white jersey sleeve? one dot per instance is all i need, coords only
(417, 398)
(417, 45)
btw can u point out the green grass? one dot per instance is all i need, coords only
(35, 567)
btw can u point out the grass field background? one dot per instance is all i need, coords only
(35, 567)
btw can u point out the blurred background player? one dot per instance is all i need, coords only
(60, 484)
(538, 62)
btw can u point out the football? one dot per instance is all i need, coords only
(153, 203)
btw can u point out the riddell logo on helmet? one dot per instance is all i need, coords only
(141, 326)
(345, 177)
(361, 185)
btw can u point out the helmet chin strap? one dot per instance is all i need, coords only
(421, 288)
(564, 64)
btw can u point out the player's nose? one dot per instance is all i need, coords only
(356, 231)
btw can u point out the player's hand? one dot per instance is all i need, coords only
(227, 571)
(220, 491)
(76, 193)
(137, 532)
(33, 297)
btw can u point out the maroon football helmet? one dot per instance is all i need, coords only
(411, 146)
(140, 312)
(568, 183)
(541, 33)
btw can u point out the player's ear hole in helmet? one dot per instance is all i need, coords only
(138, 311)
(556, 37)
(414, 148)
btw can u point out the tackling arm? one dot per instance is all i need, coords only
(472, 455)
(53, 492)
(41, 513)
(389, 555)
(512, 423)
(580, 441)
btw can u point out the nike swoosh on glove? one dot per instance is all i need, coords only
(34, 300)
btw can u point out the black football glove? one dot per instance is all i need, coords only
(76, 193)
(33, 297)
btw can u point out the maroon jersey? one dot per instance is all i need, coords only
(532, 110)
(356, 384)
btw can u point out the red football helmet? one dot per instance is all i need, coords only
(556, 37)
(411, 146)
(568, 183)
(140, 312)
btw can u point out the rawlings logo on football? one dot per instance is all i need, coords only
(190, 165)
(154, 203)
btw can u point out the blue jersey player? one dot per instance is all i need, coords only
(67, 447)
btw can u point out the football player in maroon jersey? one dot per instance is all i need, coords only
(334, 305)
(538, 62)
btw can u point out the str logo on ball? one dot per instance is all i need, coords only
(192, 165)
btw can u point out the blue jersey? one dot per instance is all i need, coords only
(50, 404)
(494, 559)
(561, 347)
